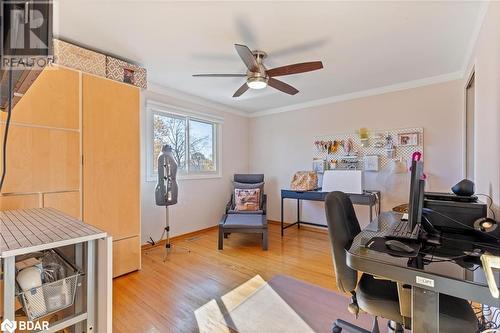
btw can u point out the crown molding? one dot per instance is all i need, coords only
(364, 93)
(174, 93)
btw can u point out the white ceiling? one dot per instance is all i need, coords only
(363, 45)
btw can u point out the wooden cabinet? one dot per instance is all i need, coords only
(74, 145)
(51, 101)
(111, 164)
(19, 201)
(43, 150)
(66, 202)
(126, 255)
(42, 160)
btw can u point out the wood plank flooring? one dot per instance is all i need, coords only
(163, 296)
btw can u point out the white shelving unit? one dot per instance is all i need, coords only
(26, 231)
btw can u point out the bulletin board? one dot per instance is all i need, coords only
(331, 148)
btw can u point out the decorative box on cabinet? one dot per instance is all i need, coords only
(77, 57)
(123, 71)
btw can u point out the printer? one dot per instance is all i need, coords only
(446, 207)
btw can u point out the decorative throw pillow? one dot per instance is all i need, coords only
(247, 199)
(247, 186)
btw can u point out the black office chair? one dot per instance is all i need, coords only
(378, 297)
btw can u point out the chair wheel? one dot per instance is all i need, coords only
(336, 329)
(397, 329)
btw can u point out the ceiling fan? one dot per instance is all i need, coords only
(258, 77)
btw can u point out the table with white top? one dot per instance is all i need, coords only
(25, 231)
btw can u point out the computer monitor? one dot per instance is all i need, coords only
(416, 202)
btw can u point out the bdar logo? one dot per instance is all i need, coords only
(8, 326)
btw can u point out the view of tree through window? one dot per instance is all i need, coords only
(201, 148)
(180, 133)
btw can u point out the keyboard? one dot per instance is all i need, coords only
(400, 231)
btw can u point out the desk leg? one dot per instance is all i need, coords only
(80, 298)
(91, 295)
(9, 283)
(282, 216)
(379, 202)
(298, 213)
(371, 213)
(424, 310)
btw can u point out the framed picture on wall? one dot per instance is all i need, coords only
(408, 139)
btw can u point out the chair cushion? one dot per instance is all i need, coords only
(243, 221)
(378, 297)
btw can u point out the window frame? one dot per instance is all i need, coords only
(156, 108)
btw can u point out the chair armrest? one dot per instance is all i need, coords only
(264, 210)
(264, 204)
(264, 220)
(222, 220)
(229, 204)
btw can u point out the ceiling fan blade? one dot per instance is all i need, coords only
(295, 68)
(282, 86)
(241, 90)
(219, 75)
(247, 56)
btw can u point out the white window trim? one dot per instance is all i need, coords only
(153, 107)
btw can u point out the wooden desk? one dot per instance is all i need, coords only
(369, 198)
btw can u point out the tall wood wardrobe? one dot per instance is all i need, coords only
(74, 145)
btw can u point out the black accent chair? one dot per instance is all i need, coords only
(379, 297)
(254, 222)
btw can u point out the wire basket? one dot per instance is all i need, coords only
(51, 297)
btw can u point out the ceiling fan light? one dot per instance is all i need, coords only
(257, 83)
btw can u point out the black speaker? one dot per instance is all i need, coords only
(464, 188)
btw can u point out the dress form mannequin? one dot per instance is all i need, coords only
(166, 188)
(166, 191)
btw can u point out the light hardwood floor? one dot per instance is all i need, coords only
(163, 296)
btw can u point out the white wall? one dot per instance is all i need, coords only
(201, 201)
(282, 144)
(279, 145)
(486, 61)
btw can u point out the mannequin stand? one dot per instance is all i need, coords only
(169, 247)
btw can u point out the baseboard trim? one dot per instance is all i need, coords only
(201, 231)
(179, 237)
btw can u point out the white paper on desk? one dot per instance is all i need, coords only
(348, 181)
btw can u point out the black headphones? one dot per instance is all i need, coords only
(485, 224)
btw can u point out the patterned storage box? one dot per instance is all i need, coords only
(123, 71)
(77, 57)
(304, 181)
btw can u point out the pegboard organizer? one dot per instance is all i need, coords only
(402, 152)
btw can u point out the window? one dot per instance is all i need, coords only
(194, 141)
